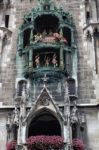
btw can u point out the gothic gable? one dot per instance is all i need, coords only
(45, 102)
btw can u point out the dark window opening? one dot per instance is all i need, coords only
(29, 19)
(97, 9)
(67, 35)
(87, 11)
(6, 21)
(46, 58)
(26, 40)
(15, 131)
(74, 130)
(46, 23)
(87, 15)
(64, 17)
(44, 124)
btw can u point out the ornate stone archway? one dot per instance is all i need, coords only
(44, 123)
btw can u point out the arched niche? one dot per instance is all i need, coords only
(46, 23)
(44, 122)
(71, 86)
(21, 86)
(75, 128)
(96, 32)
(67, 35)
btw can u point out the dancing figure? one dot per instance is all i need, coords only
(37, 61)
(54, 61)
(47, 60)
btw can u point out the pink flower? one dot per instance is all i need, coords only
(11, 145)
(44, 142)
(77, 143)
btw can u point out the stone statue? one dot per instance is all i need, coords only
(16, 117)
(74, 117)
(22, 111)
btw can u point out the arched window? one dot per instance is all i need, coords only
(98, 9)
(46, 23)
(96, 48)
(44, 123)
(26, 40)
(21, 86)
(87, 11)
(67, 35)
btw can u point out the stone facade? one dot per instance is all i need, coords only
(87, 66)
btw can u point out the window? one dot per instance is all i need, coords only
(87, 11)
(6, 21)
(96, 48)
(97, 9)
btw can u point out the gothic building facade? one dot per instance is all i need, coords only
(49, 74)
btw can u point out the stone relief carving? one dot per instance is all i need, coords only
(44, 101)
(16, 116)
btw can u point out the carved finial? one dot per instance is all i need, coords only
(45, 79)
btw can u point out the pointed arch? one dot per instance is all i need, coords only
(44, 122)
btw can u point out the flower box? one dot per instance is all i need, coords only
(11, 145)
(78, 144)
(42, 142)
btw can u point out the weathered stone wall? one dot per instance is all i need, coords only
(92, 128)
(3, 132)
(88, 82)
(86, 87)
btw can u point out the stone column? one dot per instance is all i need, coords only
(31, 36)
(94, 54)
(30, 60)
(61, 58)
(67, 129)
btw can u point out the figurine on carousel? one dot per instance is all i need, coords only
(47, 60)
(54, 60)
(37, 61)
